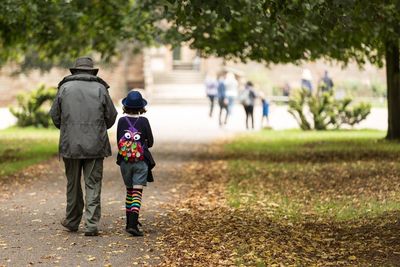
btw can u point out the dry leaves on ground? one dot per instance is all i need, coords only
(205, 231)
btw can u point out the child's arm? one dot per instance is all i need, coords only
(119, 130)
(149, 140)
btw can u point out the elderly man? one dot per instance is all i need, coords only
(83, 111)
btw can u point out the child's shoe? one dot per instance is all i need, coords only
(132, 224)
(134, 231)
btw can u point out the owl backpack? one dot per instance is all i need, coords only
(130, 145)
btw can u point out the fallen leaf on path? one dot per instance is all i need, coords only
(91, 258)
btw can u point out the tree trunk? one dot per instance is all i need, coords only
(393, 89)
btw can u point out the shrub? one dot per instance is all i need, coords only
(378, 89)
(30, 111)
(323, 111)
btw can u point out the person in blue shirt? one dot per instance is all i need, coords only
(265, 111)
(326, 83)
(222, 100)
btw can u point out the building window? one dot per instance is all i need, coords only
(176, 53)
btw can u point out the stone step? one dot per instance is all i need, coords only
(183, 67)
(178, 77)
(176, 80)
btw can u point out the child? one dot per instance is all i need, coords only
(265, 111)
(134, 138)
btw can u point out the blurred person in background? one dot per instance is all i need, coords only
(247, 98)
(222, 99)
(231, 90)
(306, 80)
(286, 89)
(326, 83)
(265, 111)
(211, 85)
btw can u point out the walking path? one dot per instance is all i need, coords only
(279, 118)
(7, 119)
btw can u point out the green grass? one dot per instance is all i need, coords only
(22, 147)
(339, 175)
(289, 140)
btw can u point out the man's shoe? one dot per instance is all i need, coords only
(63, 223)
(96, 233)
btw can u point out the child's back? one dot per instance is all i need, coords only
(141, 124)
(134, 137)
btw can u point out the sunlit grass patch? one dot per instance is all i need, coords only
(343, 175)
(305, 142)
(339, 191)
(351, 209)
(22, 147)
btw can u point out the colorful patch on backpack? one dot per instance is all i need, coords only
(130, 146)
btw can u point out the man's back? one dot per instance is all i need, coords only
(82, 102)
(85, 111)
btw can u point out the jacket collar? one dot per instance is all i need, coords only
(83, 77)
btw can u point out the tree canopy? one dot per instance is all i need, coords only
(47, 32)
(279, 31)
(272, 31)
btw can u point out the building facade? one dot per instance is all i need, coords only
(177, 74)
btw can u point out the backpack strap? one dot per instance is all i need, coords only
(129, 122)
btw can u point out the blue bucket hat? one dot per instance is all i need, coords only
(134, 99)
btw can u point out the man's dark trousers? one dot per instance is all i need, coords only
(93, 173)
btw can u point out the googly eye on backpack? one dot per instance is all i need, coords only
(136, 137)
(128, 135)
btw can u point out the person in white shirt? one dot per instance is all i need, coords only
(231, 90)
(306, 80)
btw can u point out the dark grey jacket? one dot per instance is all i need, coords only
(83, 111)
